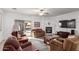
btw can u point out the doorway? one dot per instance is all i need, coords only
(23, 26)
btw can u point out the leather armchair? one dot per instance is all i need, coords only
(69, 44)
(38, 33)
(12, 44)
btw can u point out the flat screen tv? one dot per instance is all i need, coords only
(68, 23)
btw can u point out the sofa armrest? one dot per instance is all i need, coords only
(23, 41)
(57, 42)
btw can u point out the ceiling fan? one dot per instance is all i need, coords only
(42, 12)
(39, 11)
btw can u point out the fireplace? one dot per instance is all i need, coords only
(48, 29)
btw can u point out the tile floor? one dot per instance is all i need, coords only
(39, 43)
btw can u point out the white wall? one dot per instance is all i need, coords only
(10, 17)
(69, 16)
(1, 31)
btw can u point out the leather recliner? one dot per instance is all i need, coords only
(69, 44)
(12, 44)
(38, 33)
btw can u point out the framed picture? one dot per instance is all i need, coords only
(36, 24)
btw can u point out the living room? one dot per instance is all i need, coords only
(49, 23)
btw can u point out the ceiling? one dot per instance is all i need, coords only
(36, 11)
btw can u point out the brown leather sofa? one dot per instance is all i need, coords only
(38, 33)
(12, 44)
(63, 34)
(69, 44)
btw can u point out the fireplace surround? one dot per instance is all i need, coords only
(48, 29)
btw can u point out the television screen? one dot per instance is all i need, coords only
(68, 23)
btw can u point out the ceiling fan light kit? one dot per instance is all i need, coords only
(42, 12)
